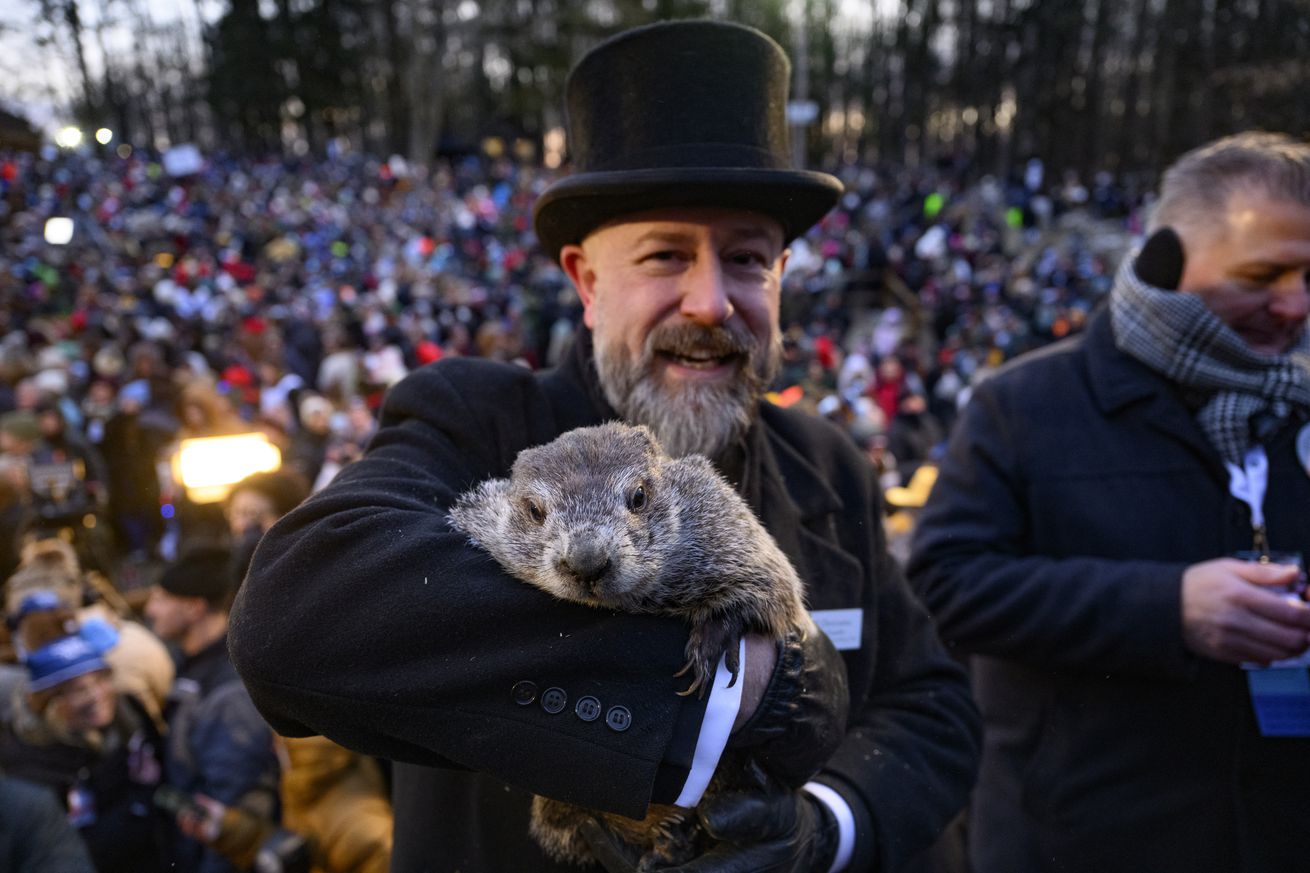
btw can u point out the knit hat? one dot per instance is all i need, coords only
(71, 656)
(202, 571)
(36, 601)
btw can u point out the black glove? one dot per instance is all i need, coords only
(801, 719)
(788, 832)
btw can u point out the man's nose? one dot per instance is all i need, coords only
(705, 298)
(1291, 297)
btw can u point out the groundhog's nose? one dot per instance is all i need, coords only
(586, 564)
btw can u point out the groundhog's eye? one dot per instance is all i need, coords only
(535, 510)
(637, 499)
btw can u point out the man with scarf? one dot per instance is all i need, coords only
(1114, 536)
(366, 617)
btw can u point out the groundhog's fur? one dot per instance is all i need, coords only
(601, 516)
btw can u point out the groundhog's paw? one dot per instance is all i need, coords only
(673, 842)
(710, 639)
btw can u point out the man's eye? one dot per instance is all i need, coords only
(664, 255)
(749, 259)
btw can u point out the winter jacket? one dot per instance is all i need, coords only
(1076, 489)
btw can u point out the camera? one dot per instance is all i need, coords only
(279, 851)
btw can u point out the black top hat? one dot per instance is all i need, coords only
(681, 113)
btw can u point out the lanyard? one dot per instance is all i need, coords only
(1248, 484)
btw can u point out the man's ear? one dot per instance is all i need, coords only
(782, 261)
(573, 260)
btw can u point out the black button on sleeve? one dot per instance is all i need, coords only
(587, 709)
(554, 700)
(524, 692)
(618, 718)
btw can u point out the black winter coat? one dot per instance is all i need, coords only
(1076, 489)
(366, 618)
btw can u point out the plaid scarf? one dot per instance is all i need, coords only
(1175, 334)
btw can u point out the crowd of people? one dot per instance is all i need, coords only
(286, 296)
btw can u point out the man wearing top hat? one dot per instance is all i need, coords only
(367, 618)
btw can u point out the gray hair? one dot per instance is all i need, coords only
(1196, 188)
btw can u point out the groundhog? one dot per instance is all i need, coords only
(603, 517)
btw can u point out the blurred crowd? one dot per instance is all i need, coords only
(285, 297)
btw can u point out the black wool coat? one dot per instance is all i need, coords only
(1076, 489)
(366, 618)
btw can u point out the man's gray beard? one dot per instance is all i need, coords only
(688, 417)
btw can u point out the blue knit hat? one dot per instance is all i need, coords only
(71, 656)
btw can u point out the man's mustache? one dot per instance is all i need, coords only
(692, 339)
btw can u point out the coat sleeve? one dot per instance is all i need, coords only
(233, 750)
(992, 592)
(367, 619)
(911, 751)
(36, 830)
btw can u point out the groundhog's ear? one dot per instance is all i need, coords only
(648, 437)
(482, 508)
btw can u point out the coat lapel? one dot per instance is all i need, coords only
(1125, 387)
(800, 510)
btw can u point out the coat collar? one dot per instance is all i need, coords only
(799, 480)
(1117, 379)
(1124, 386)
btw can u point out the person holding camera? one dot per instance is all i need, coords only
(1118, 536)
(368, 618)
(220, 751)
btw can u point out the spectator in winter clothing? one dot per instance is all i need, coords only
(67, 728)
(310, 443)
(140, 663)
(334, 797)
(218, 746)
(1083, 543)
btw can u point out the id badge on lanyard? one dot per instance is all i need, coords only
(1280, 692)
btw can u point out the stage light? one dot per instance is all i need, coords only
(208, 467)
(69, 138)
(58, 231)
(104, 135)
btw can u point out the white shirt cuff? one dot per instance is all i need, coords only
(841, 811)
(720, 715)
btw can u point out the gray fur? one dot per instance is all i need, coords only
(694, 550)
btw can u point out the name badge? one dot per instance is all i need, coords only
(1281, 697)
(843, 626)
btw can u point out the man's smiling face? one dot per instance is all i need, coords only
(684, 307)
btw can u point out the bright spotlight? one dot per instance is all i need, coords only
(69, 138)
(58, 231)
(208, 467)
(104, 135)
